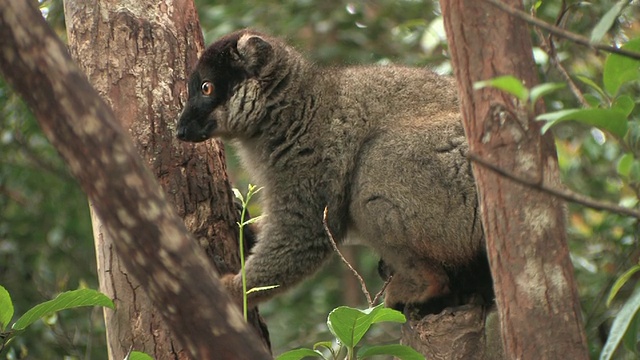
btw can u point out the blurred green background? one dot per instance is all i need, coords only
(46, 243)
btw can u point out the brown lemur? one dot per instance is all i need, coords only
(381, 146)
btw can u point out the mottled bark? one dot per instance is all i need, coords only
(152, 240)
(469, 332)
(536, 293)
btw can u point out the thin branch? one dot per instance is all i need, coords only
(565, 74)
(335, 247)
(14, 195)
(581, 40)
(548, 45)
(561, 193)
(384, 287)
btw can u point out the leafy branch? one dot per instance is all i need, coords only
(66, 300)
(561, 32)
(349, 326)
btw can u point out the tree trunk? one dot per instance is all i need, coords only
(536, 293)
(152, 241)
(138, 55)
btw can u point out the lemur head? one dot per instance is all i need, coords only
(232, 85)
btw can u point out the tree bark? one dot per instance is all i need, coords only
(150, 238)
(536, 293)
(126, 48)
(466, 332)
(124, 51)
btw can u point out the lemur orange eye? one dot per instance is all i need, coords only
(207, 88)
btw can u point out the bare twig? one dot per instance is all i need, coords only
(354, 271)
(547, 44)
(384, 287)
(561, 193)
(572, 85)
(14, 195)
(561, 32)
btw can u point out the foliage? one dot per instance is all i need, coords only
(607, 21)
(45, 231)
(612, 110)
(624, 328)
(46, 242)
(515, 87)
(337, 31)
(66, 300)
(349, 325)
(137, 355)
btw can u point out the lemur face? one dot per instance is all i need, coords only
(225, 92)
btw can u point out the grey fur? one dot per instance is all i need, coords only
(382, 146)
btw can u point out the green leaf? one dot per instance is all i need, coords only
(624, 104)
(634, 177)
(629, 202)
(252, 190)
(298, 354)
(238, 194)
(544, 89)
(632, 138)
(624, 165)
(592, 100)
(620, 69)
(383, 314)
(402, 352)
(349, 325)
(620, 282)
(605, 119)
(6, 308)
(261, 288)
(139, 355)
(324, 344)
(630, 339)
(507, 83)
(537, 4)
(607, 21)
(592, 85)
(620, 325)
(414, 23)
(66, 300)
(254, 219)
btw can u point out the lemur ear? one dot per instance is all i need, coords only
(253, 53)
